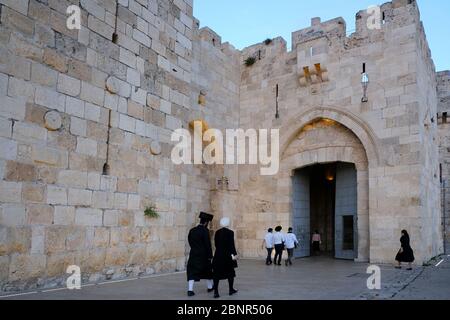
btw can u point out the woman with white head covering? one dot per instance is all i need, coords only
(224, 261)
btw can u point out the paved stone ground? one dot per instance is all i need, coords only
(316, 278)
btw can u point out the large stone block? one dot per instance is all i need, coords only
(19, 88)
(29, 132)
(49, 98)
(43, 75)
(56, 195)
(12, 215)
(78, 126)
(111, 218)
(92, 94)
(68, 85)
(17, 5)
(58, 263)
(55, 60)
(13, 108)
(88, 217)
(33, 192)
(103, 200)
(64, 216)
(16, 171)
(116, 256)
(101, 237)
(87, 146)
(26, 266)
(55, 239)
(49, 156)
(15, 20)
(40, 214)
(79, 197)
(75, 107)
(72, 178)
(9, 149)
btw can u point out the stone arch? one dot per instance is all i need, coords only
(361, 130)
(354, 152)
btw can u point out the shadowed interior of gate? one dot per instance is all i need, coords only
(324, 200)
(322, 197)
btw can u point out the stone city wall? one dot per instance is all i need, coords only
(320, 78)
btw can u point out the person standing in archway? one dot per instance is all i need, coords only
(199, 264)
(405, 254)
(278, 241)
(316, 242)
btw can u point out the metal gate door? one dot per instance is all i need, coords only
(301, 208)
(345, 236)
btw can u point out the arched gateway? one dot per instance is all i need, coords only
(327, 159)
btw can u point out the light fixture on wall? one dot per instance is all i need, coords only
(365, 84)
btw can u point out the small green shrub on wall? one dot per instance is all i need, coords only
(250, 61)
(150, 212)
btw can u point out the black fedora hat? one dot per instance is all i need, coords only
(208, 217)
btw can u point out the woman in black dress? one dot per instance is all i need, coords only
(224, 261)
(405, 254)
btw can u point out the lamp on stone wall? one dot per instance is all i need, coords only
(365, 84)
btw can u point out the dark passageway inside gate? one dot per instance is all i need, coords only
(322, 198)
(325, 200)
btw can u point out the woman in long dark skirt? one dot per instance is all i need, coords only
(224, 261)
(405, 254)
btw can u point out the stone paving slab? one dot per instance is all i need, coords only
(309, 279)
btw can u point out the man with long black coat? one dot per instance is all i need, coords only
(199, 264)
(225, 258)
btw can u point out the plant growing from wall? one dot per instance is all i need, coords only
(250, 61)
(267, 41)
(150, 212)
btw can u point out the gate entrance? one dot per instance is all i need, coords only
(325, 200)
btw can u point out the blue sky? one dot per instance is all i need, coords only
(246, 22)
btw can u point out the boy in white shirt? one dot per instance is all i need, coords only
(290, 242)
(278, 241)
(268, 244)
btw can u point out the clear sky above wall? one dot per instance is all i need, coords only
(246, 22)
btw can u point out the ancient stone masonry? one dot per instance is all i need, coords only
(74, 102)
(443, 90)
(86, 118)
(398, 186)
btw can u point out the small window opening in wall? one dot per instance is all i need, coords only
(383, 19)
(444, 117)
(174, 70)
(259, 54)
(115, 36)
(106, 167)
(214, 42)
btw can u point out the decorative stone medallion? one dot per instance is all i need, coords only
(155, 148)
(53, 120)
(112, 85)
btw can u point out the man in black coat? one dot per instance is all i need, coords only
(199, 264)
(225, 257)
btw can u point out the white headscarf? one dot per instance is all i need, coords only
(225, 222)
